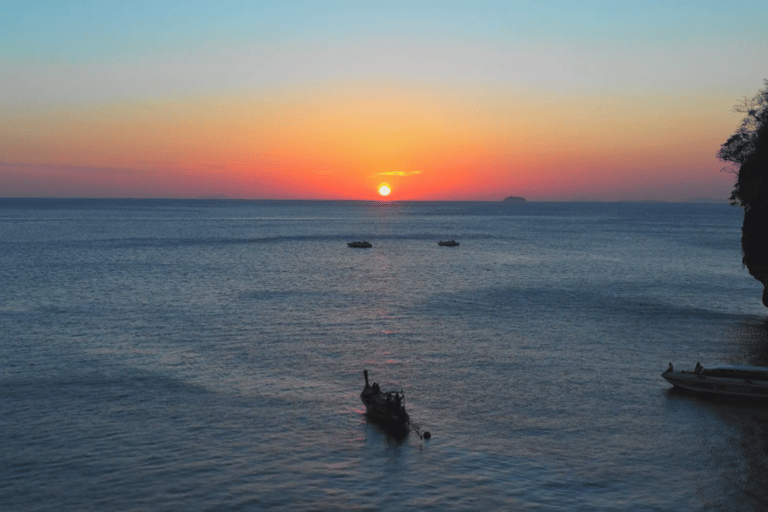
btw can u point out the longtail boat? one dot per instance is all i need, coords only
(385, 408)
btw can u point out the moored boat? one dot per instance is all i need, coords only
(385, 408)
(738, 380)
(448, 243)
(360, 244)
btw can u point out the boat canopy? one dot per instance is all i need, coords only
(739, 367)
(737, 371)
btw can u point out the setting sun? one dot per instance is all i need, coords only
(384, 190)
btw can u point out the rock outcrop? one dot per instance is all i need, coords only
(753, 187)
(747, 148)
(514, 199)
(754, 245)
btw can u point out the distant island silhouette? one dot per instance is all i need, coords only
(514, 199)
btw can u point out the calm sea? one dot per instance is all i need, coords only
(208, 355)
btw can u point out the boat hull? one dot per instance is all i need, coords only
(717, 385)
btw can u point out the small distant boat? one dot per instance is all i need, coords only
(448, 243)
(738, 380)
(385, 408)
(360, 245)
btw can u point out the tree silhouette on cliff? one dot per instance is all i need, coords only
(747, 150)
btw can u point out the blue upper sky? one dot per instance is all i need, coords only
(89, 50)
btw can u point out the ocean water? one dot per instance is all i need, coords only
(208, 356)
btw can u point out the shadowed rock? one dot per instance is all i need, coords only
(748, 149)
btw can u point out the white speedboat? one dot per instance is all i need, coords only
(741, 380)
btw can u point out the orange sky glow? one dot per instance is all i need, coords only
(627, 101)
(342, 140)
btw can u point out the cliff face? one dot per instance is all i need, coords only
(753, 188)
(754, 244)
(747, 148)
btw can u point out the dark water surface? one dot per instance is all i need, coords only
(208, 355)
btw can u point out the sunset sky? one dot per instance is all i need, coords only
(571, 100)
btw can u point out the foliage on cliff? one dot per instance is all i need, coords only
(747, 150)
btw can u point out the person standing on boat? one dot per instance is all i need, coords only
(698, 368)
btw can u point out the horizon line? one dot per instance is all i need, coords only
(227, 198)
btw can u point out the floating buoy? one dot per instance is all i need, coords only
(427, 435)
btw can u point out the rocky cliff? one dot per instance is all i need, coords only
(753, 187)
(747, 149)
(754, 245)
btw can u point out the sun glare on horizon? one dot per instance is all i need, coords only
(384, 190)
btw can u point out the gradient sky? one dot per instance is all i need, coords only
(572, 100)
